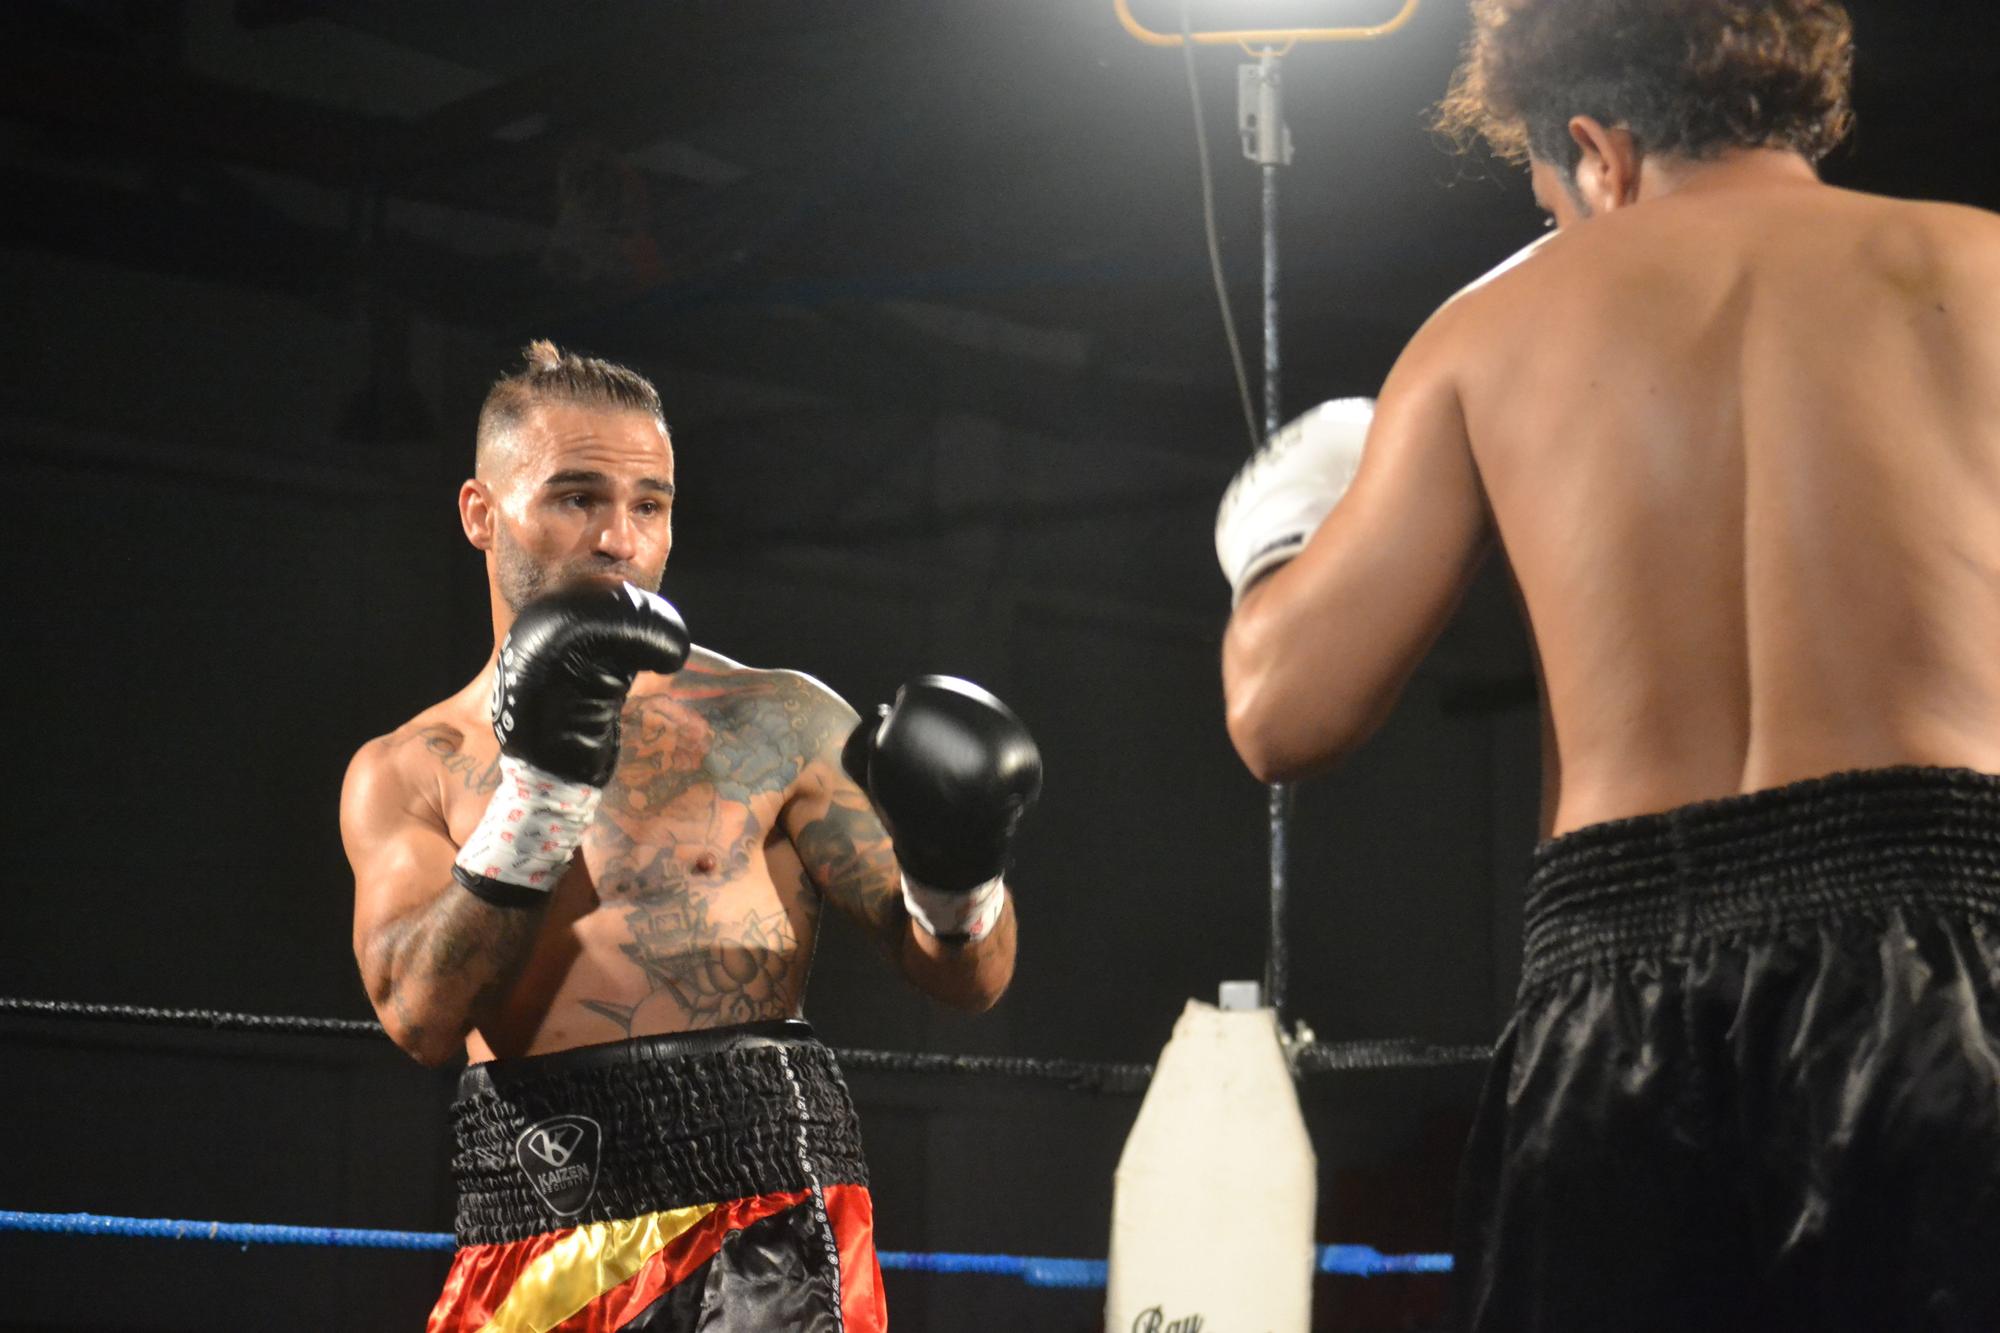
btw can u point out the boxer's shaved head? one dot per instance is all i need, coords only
(550, 375)
(1688, 78)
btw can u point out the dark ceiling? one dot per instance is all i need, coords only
(987, 207)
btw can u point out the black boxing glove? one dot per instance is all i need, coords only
(565, 669)
(950, 770)
(559, 686)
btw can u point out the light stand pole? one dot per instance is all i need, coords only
(1261, 121)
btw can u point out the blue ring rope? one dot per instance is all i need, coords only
(1347, 1260)
(233, 1233)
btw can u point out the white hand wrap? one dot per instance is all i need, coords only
(530, 830)
(967, 916)
(1279, 498)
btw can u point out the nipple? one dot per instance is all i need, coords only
(705, 864)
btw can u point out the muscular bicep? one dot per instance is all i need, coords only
(1319, 651)
(1397, 552)
(400, 853)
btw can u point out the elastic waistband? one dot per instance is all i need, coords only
(495, 1075)
(1758, 864)
(654, 1123)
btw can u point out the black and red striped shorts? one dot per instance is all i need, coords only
(709, 1180)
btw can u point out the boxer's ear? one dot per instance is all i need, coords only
(476, 513)
(1607, 168)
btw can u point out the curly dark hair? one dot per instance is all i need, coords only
(1686, 77)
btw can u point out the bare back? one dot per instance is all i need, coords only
(1743, 452)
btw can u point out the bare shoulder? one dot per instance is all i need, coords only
(710, 674)
(1957, 232)
(1471, 322)
(790, 709)
(1496, 296)
(404, 769)
(1945, 216)
(1538, 251)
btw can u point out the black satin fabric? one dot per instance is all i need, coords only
(771, 1275)
(1753, 1077)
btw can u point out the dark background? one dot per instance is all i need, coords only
(924, 288)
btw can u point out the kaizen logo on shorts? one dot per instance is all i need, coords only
(559, 1157)
(556, 1144)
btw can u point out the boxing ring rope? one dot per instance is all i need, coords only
(1314, 1057)
(1038, 1271)
(1034, 1270)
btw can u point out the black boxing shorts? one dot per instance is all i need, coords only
(709, 1180)
(1752, 1080)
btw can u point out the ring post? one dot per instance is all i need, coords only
(1212, 1205)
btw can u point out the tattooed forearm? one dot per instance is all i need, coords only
(847, 854)
(446, 966)
(970, 976)
(845, 851)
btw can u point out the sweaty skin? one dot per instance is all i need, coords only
(695, 898)
(1738, 433)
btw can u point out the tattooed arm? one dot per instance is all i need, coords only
(433, 957)
(847, 856)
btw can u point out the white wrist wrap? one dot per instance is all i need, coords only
(969, 915)
(530, 828)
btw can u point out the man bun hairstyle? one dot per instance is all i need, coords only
(550, 375)
(1687, 77)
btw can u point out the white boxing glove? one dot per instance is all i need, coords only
(1277, 501)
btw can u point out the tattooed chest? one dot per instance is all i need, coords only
(695, 924)
(697, 794)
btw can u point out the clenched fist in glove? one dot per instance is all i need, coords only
(558, 689)
(1277, 501)
(950, 770)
